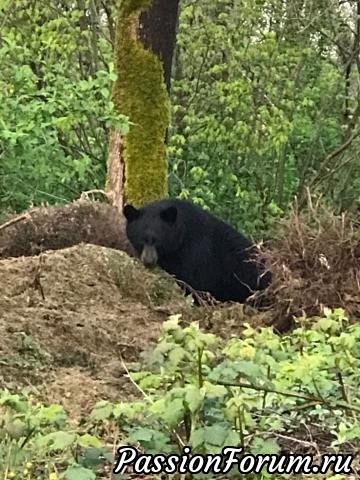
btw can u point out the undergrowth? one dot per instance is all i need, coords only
(270, 394)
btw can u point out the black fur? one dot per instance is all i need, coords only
(196, 247)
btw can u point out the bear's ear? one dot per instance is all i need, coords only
(169, 215)
(131, 213)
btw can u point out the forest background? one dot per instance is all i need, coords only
(265, 103)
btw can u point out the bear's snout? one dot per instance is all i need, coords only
(149, 256)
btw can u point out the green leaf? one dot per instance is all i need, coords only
(173, 412)
(197, 438)
(53, 413)
(216, 435)
(92, 457)
(87, 440)
(140, 435)
(193, 399)
(265, 447)
(16, 428)
(250, 369)
(102, 411)
(78, 473)
(57, 441)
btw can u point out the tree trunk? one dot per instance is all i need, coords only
(115, 171)
(158, 32)
(145, 40)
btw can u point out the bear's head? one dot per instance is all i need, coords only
(155, 231)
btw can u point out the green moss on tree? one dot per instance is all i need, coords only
(127, 7)
(140, 93)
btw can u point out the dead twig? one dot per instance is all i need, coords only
(86, 195)
(37, 277)
(307, 398)
(24, 216)
(203, 298)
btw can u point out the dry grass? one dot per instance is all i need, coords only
(315, 262)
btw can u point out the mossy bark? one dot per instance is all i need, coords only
(140, 93)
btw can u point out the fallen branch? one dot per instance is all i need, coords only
(202, 298)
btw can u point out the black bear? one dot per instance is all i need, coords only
(196, 247)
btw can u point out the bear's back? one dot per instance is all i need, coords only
(199, 224)
(213, 256)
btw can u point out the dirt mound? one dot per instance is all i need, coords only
(68, 317)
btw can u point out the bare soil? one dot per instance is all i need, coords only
(70, 319)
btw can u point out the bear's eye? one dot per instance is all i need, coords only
(149, 239)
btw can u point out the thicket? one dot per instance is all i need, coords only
(264, 95)
(265, 104)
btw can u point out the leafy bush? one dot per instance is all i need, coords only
(258, 105)
(36, 440)
(261, 392)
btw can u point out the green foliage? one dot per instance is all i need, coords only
(36, 441)
(252, 391)
(55, 84)
(257, 106)
(261, 96)
(260, 391)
